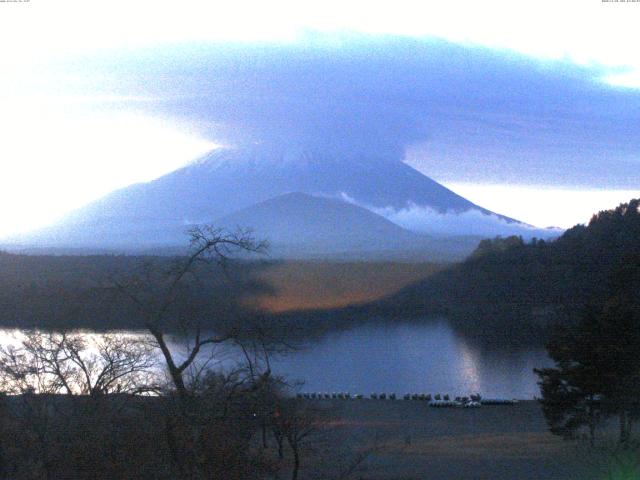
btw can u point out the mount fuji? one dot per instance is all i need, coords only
(302, 200)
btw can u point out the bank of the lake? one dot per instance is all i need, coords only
(410, 440)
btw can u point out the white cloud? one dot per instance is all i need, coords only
(628, 79)
(471, 222)
(538, 205)
(543, 205)
(588, 32)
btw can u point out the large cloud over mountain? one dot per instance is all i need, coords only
(463, 113)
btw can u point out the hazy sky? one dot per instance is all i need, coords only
(530, 109)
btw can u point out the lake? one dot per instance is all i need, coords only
(412, 357)
(428, 357)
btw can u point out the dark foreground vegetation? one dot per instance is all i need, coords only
(227, 427)
(125, 437)
(121, 437)
(597, 372)
(74, 407)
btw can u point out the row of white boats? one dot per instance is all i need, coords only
(440, 401)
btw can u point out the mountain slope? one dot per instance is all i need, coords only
(320, 223)
(227, 180)
(300, 225)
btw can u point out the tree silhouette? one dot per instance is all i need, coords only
(175, 299)
(597, 369)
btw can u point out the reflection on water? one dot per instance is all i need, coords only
(406, 358)
(469, 374)
(393, 357)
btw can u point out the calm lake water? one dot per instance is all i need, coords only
(396, 357)
(407, 358)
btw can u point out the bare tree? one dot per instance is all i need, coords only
(166, 299)
(51, 363)
(258, 343)
(63, 381)
(296, 423)
(209, 425)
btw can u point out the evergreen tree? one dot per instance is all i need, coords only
(597, 369)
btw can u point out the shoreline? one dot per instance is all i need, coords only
(411, 440)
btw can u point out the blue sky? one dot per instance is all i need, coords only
(530, 111)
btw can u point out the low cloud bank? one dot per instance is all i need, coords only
(470, 222)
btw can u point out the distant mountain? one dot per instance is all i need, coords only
(302, 225)
(327, 224)
(228, 180)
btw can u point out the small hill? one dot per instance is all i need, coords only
(322, 225)
(298, 225)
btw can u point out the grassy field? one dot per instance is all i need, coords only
(410, 440)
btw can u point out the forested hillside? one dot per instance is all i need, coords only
(79, 291)
(511, 288)
(82, 291)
